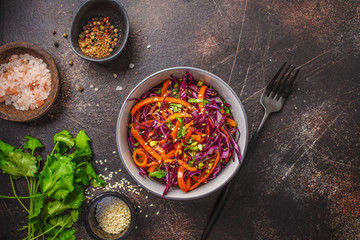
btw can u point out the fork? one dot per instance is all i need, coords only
(272, 100)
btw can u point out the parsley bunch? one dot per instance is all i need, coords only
(56, 187)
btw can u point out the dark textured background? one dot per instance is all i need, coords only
(303, 181)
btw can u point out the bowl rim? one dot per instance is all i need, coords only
(54, 92)
(189, 69)
(122, 197)
(126, 34)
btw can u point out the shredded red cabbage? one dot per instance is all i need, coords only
(210, 144)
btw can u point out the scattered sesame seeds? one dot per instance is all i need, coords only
(96, 89)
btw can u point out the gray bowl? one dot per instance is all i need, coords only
(157, 187)
(92, 226)
(100, 8)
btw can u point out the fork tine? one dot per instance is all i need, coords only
(279, 82)
(270, 85)
(289, 85)
(283, 84)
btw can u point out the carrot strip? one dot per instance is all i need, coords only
(153, 163)
(140, 152)
(201, 96)
(152, 168)
(182, 185)
(231, 122)
(146, 101)
(182, 163)
(137, 116)
(188, 125)
(152, 114)
(169, 155)
(144, 144)
(160, 150)
(178, 148)
(180, 115)
(165, 87)
(174, 132)
(169, 160)
(196, 137)
(207, 175)
(188, 134)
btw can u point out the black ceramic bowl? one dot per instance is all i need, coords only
(100, 8)
(92, 225)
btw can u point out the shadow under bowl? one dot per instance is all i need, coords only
(104, 8)
(9, 112)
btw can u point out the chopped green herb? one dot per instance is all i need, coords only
(176, 107)
(196, 100)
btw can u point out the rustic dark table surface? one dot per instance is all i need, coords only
(303, 181)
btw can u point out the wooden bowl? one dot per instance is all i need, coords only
(9, 112)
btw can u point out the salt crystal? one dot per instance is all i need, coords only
(148, 46)
(131, 65)
(119, 88)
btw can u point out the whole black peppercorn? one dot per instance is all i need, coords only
(56, 44)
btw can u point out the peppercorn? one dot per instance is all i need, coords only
(65, 35)
(80, 89)
(53, 32)
(56, 44)
(71, 63)
(98, 39)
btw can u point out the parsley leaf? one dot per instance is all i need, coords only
(96, 181)
(57, 177)
(6, 148)
(18, 164)
(82, 148)
(32, 143)
(63, 141)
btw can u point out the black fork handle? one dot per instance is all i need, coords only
(227, 190)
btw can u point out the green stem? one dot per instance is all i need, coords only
(23, 228)
(61, 228)
(17, 197)
(56, 144)
(83, 163)
(31, 204)
(13, 188)
(44, 232)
